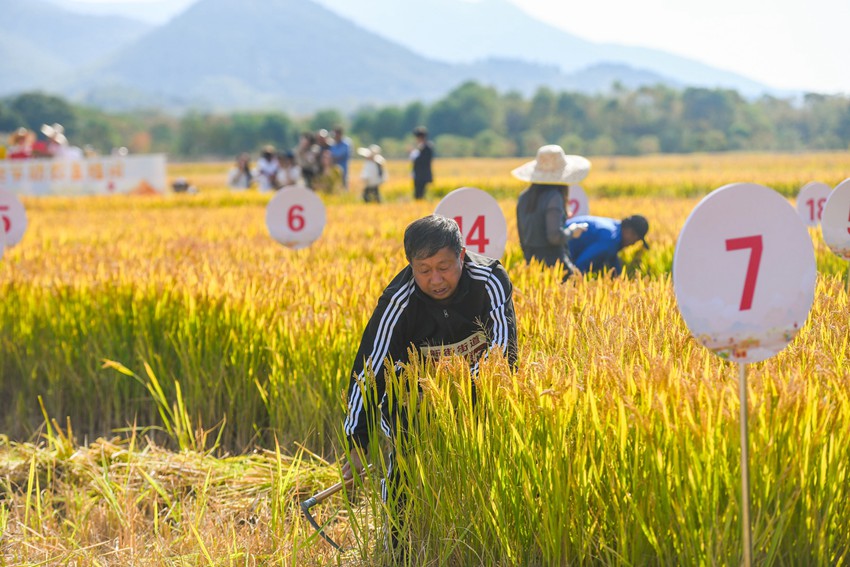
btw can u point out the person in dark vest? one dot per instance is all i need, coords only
(541, 209)
(421, 158)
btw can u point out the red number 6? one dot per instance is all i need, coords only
(294, 219)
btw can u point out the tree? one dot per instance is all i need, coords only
(9, 119)
(326, 119)
(38, 108)
(466, 111)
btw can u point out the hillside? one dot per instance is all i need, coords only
(42, 45)
(474, 30)
(224, 53)
(301, 56)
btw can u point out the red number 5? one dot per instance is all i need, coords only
(7, 222)
(754, 243)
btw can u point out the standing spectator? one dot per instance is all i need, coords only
(267, 167)
(373, 174)
(541, 210)
(57, 143)
(307, 157)
(323, 139)
(20, 144)
(341, 151)
(240, 176)
(329, 179)
(289, 173)
(421, 156)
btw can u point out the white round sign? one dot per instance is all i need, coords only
(835, 224)
(744, 272)
(810, 202)
(480, 218)
(2, 243)
(13, 217)
(295, 217)
(577, 204)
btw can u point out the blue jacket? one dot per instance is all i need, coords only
(596, 249)
(341, 152)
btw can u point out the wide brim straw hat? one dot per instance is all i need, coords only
(55, 132)
(372, 151)
(553, 167)
(21, 136)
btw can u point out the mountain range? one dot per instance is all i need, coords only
(302, 55)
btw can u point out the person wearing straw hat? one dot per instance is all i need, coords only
(20, 144)
(542, 208)
(57, 143)
(374, 172)
(266, 170)
(595, 247)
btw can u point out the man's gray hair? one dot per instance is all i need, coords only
(425, 237)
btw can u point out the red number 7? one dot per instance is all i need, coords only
(755, 244)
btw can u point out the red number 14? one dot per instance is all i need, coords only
(477, 228)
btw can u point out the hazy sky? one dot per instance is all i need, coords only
(783, 43)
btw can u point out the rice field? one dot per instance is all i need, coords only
(172, 387)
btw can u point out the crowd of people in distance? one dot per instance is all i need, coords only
(320, 162)
(23, 143)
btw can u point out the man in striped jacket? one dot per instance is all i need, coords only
(446, 301)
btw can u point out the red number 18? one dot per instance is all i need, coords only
(811, 203)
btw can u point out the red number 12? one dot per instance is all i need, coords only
(754, 243)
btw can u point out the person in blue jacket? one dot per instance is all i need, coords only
(595, 242)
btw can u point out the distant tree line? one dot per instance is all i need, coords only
(476, 120)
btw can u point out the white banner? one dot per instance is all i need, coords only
(91, 176)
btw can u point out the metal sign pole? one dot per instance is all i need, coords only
(745, 468)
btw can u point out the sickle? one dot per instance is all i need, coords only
(320, 497)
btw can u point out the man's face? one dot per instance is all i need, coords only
(438, 275)
(629, 236)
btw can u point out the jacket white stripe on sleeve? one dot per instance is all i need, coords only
(498, 297)
(398, 302)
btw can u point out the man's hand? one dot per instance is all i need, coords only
(354, 464)
(575, 229)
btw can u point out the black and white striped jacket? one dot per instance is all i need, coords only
(478, 318)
